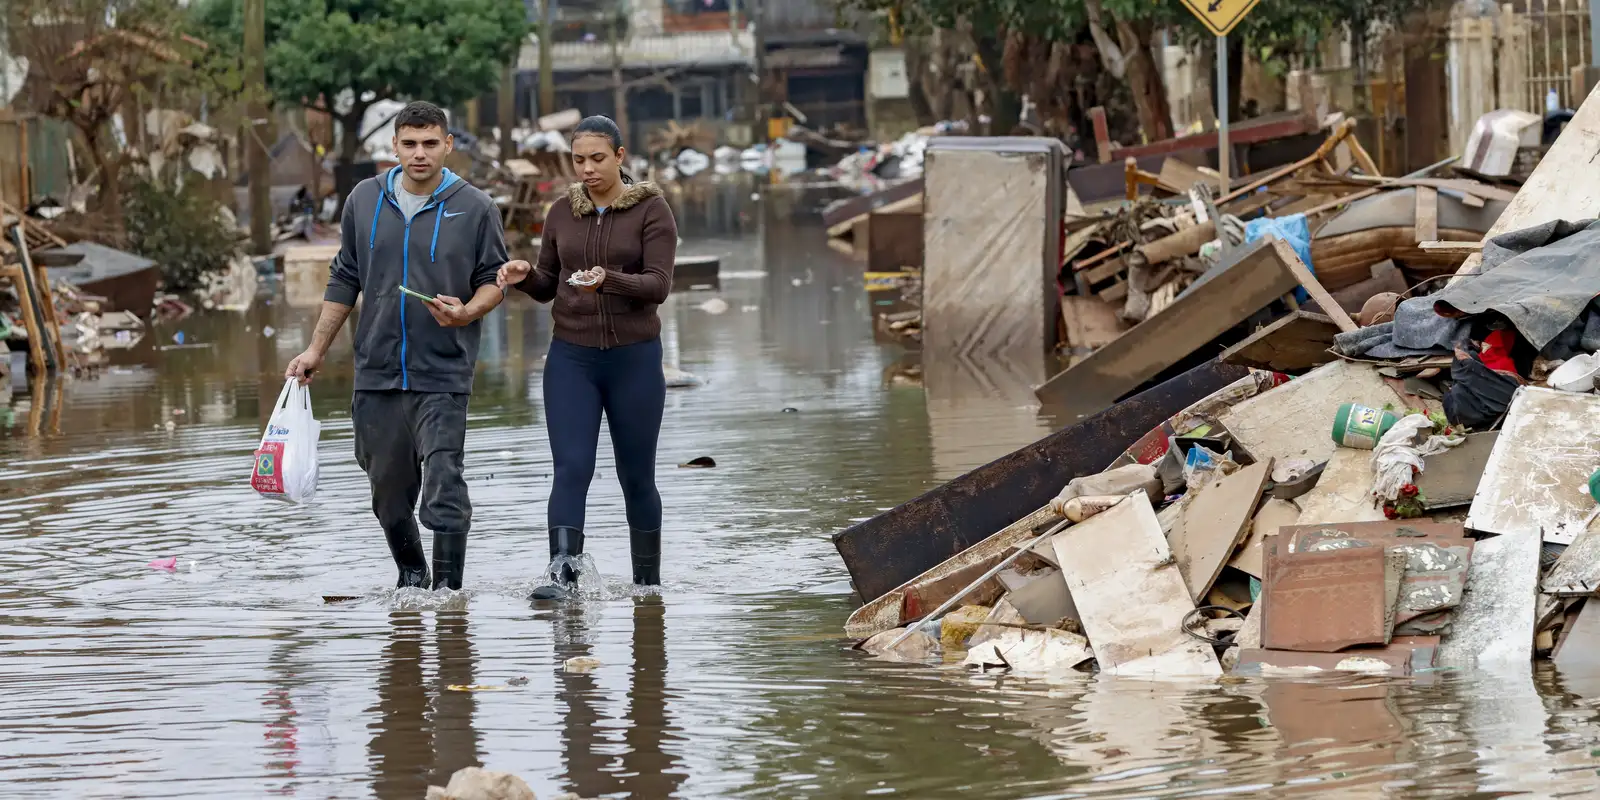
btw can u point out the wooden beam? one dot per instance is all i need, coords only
(1256, 277)
(1293, 344)
(1102, 134)
(1309, 282)
(1427, 216)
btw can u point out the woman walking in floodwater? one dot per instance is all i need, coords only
(606, 261)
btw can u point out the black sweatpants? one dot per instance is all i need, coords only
(627, 384)
(413, 444)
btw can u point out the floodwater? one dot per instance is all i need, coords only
(230, 677)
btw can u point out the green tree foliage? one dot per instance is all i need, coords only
(1124, 31)
(443, 51)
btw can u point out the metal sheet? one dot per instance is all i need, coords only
(1537, 480)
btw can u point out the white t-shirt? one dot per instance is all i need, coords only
(410, 203)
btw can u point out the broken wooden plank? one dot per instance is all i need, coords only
(885, 611)
(1091, 323)
(1450, 479)
(1295, 420)
(1344, 492)
(1325, 602)
(1577, 572)
(1214, 523)
(1404, 655)
(1427, 216)
(1181, 176)
(1495, 623)
(1130, 594)
(1451, 248)
(1580, 646)
(1212, 305)
(1313, 288)
(1292, 344)
(1273, 516)
(1537, 479)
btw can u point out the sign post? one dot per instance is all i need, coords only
(1221, 16)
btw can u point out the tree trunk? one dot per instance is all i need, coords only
(350, 141)
(917, 57)
(110, 189)
(1005, 107)
(1144, 80)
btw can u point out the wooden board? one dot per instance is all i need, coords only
(1537, 479)
(1451, 478)
(1324, 602)
(1130, 594)
(1292, 344)
(1580, 647)
(1273, 516)
(1343, 493)
(1309, 282)
(1427, 218)
(1181, 176)
(988, 288)
(1577, 571)
(1091, 323)
(1495, 623)
(1296, 420)
(894, 241)
(1214, 523)
(1565, 185)
(1215, 303)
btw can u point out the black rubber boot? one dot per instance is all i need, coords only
(405, 544)
(563, 542)
(449, 559)
(646, 550)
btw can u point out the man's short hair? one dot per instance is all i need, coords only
(421, 114)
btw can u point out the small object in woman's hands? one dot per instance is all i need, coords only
(584, 277)
(418, 295)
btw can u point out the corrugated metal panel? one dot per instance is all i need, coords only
(800, 15)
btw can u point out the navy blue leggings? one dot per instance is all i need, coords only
(626, 383)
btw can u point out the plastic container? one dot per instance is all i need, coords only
(1577, 374)
(1360, 426)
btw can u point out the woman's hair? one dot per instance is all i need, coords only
(598, 125)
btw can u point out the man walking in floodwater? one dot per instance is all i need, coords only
(421, 227)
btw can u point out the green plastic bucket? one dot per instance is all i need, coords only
(1360, 426)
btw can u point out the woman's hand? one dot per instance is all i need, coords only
(598, 274)
(512, 273)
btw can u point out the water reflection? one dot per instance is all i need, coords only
(229, 677)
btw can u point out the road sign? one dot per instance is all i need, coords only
(1220, 15)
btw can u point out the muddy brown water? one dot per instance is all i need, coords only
(229, 677)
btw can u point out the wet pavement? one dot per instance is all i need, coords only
(229, 677)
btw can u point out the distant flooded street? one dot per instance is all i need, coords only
(230, 677)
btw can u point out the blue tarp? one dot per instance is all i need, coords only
(1292, 229)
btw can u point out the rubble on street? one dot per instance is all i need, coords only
(1403, 481)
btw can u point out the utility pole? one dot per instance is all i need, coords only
(255, 48)
(507, 110)
(547, 43)
(758, 18)
(619, 91)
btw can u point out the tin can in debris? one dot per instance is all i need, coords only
(1360, 426)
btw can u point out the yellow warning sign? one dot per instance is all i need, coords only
(1220, 15)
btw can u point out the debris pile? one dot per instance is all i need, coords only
(1408, 489)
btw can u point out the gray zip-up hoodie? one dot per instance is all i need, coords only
(453, 246)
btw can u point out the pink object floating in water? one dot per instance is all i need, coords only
(165, 563)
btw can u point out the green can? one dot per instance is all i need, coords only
(1360, 426)
(1594, 486)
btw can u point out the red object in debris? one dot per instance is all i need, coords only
(1496, 352)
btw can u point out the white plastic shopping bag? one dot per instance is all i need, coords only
(286, 461)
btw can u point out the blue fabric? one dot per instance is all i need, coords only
(1292, 229)
(627, 384)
